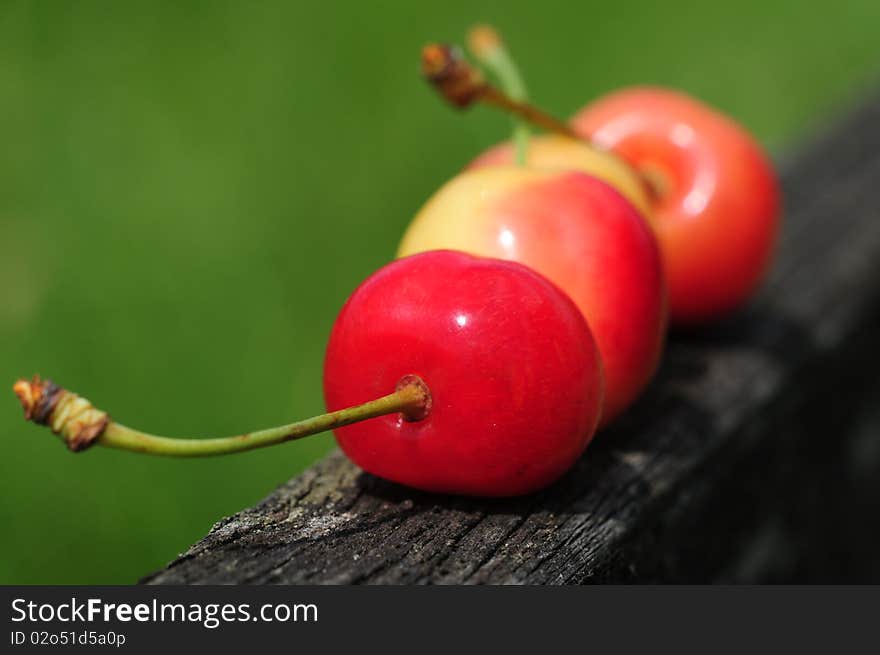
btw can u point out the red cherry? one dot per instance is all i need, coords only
(717, 204)
(444, 371)
(582, 235)
(514, 376)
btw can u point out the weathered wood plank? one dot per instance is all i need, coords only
(735, 465)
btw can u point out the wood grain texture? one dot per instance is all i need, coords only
(751, 457)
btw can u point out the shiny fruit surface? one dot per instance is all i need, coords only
(717, 199)
(513, 373)
(581, 234)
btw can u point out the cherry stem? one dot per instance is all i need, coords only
(487, 46)
(529, 113)
(462, 85)
(80, 425)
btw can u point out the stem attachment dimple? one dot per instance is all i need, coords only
(415, 387)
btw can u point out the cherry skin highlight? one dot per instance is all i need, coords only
(581, 234)
(514, 376)
(717, 199)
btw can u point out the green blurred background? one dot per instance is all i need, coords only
(189, 191)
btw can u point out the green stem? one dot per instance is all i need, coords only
(498, 61)
(69, 415)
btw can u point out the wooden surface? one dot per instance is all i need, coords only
(753, 457)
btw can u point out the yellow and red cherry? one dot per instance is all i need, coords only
(581, 234)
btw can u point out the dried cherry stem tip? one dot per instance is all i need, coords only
(80, 425)
(457, 81)
(462, 85)
(72, 418)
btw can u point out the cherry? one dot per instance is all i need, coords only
(512, 368)
(580, 233)
(445, 372)
(717, 199)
